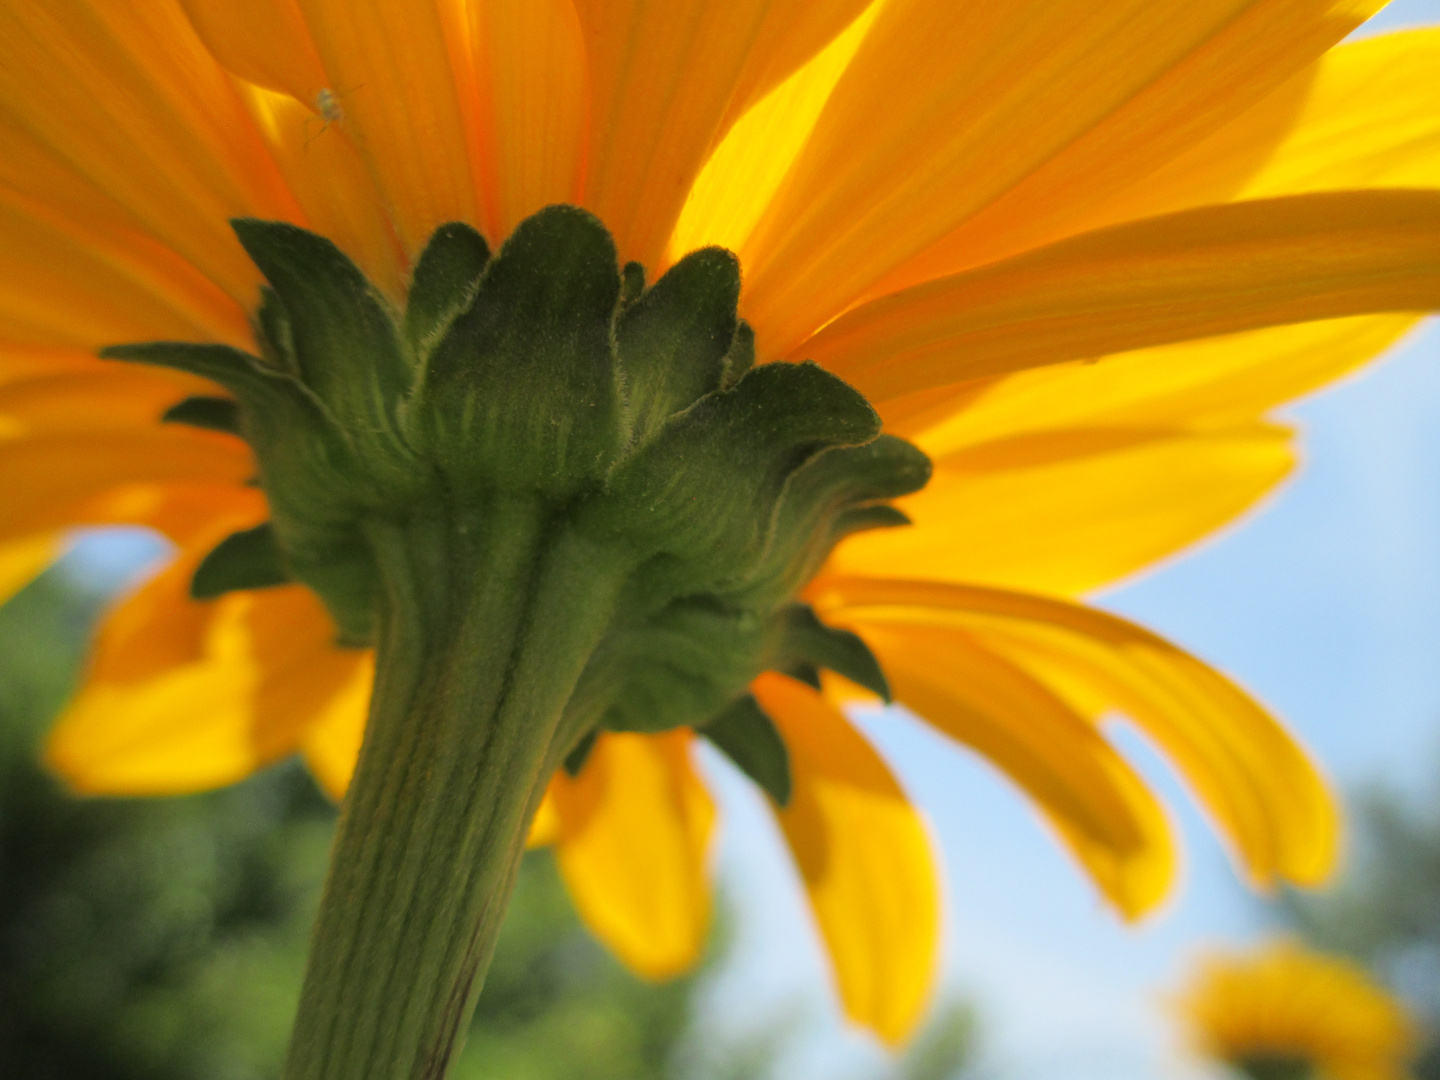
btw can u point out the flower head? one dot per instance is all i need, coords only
(1283, 1011)
(1060, 248)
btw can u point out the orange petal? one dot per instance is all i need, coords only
(1210, 271)
(115, 397)
(332, 184)
(1258, 785)
(1068, 511)
(127, 97)
(185, 695)
(531, 72)
(667, 79)
(633, 848)
(944, 111)
(1101, 808)
(51, 480)
(69, 284)
(265, 42)
(866, 860)
(393, 89)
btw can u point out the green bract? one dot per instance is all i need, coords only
(631, 418)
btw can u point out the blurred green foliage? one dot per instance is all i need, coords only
(1385, 912)
(164, 939)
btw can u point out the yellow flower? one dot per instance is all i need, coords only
(1282, 1012)
(958, 210)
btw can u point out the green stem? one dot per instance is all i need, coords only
(486, 625)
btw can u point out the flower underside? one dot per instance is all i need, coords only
(629, 420)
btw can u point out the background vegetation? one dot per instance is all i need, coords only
(163, 939)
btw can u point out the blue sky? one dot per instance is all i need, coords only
(1325, 602)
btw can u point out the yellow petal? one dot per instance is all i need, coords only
(1195, 274)
(545, 828)
(332, 184)
(265, 42)
(1257, 784)
(667, 79)
(532, 77)
(129, 99)
(393, 88)
(634, 849)
(746, 169)
(22, 560)
(50, 480)
(944, 110)
(1363, 117)
(67, 284)
(1100, 807)
(185, 695)
(1068, 511)
(1213, 381)
(866, 860)
(332, 744)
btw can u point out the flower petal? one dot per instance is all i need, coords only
(1215, 270)
(866, 860)
(533, 80)
(1362, 117)
(112, 397)
(332, 744)
(393, 87)
(944, 110)
(265, 42)
(332, 184)
(127, 98)
(633, 849)
(1102, 810)
(668, 78)
(67, 285)
(1065, 512)
(742, 175)
(52, 481)
(1213, 381)
(185, 695)
(1259, 787)
(22, 560)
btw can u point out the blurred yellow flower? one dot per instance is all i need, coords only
(1283, 1012)
(1074, 252)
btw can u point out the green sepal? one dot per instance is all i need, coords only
(741, 356)
(250, 559)
(632, 283)
(705, 488)
(277, 334)
(673, 339)
(802, 641)
(210, 413)
(247, 377)
(836, 493)
(443, 285)
(343, 336)
(749, 738)
(580, 753)
(522, 393)
(676, 668)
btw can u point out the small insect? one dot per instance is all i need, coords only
(327, 105)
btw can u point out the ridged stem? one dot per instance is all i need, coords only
(486, 624)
